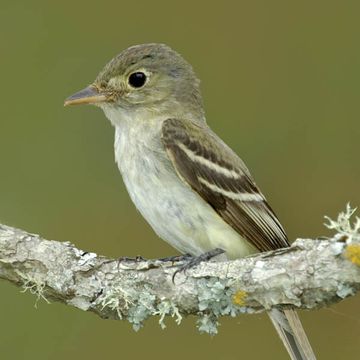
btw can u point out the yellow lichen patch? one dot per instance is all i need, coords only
(352, 252)
(239, 298)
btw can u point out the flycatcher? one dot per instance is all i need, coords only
(194, 191)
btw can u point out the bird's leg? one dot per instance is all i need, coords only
(121, 259)
(131, 259)
(196, 260)
(176, 258)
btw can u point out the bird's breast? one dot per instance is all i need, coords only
(175, 212)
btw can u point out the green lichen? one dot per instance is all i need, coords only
(128, 302)
(345, 291)
(215, 295)
(116, 297)
(34, 286)
(343, 224)
(166, 307)
(215, 299)
(208, 323)
(143, 307)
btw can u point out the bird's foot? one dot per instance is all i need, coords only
(137, 258)
(126, 259)
(176, 258)
(196, 260)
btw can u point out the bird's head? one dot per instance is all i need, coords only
(150, 77)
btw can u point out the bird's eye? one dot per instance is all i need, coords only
(137, 79)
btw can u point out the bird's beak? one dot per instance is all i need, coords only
(89, 95)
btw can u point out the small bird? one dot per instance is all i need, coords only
(193, 190)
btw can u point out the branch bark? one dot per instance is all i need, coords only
(308, 275)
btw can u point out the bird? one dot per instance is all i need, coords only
(192, 188)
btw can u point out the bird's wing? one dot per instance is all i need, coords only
(219, 176)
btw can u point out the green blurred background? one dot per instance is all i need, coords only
(280, 81)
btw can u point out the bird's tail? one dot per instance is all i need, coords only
(292, 334)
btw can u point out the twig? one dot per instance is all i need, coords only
(308, 275)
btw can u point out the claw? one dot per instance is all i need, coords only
(175, 258)
(196, 260)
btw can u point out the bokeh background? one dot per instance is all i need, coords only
(280, 81)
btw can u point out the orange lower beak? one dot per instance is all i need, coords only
(89, 95)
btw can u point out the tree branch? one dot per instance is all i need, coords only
(308, 275)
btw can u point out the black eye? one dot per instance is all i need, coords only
(137, 79)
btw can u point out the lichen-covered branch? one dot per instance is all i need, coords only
(308, 275)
